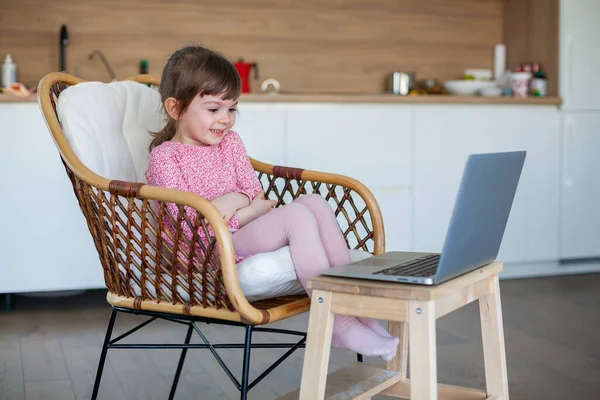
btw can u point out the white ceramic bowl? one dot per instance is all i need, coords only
(492, 91)
(467, 87)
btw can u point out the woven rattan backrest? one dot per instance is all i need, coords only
(140, 257)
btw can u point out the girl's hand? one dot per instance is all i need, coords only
(229, 203)
(261, 206)
(257, 208)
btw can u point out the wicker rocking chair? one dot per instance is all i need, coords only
(145, 276)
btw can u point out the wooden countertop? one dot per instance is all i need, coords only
(361, 98)
(391, 99)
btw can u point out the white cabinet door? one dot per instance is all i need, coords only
(445, 136)
(580, 207)
(44, 240)
(368, 142)
(396, 209)
(580, 54)
(262, 129)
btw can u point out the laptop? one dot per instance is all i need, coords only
(485, 197)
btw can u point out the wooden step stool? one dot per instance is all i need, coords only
(419, 306)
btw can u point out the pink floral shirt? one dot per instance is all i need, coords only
(209, 171)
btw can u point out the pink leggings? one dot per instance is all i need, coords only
(308, 225)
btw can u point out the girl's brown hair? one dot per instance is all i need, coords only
(193, 71)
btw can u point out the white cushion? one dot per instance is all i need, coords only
(262, 276)
(108, 126)
(273, 274)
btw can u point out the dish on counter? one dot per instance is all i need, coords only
(462, 87)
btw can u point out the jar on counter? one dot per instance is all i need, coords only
(539, 83)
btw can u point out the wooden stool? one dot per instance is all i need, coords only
(419, 306)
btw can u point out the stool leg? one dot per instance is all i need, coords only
(423, 352)
(492, 332)
(318, 346)
(400, 362)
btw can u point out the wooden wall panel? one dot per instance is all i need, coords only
(531, 33)
(309, 45)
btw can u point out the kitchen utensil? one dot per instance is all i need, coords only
(492, 91)
(479, 74)
(519, 82)
(244, 69)
(499, 61)
(401, 83)
(270, 82)
(63, 43)
(466, 87)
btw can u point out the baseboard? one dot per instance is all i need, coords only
(548, 268)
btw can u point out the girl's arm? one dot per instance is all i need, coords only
(247, 181)
(164, 170)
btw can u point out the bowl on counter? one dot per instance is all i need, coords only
(492, 91)
(467, 87)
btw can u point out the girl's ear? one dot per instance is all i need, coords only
(172, 107)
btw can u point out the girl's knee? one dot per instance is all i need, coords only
(299, 215)
(299, 210)
(313, 199)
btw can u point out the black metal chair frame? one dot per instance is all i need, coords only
(191, 321)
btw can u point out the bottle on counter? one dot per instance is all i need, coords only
(539, 82)
(143, 66)
(9, 72)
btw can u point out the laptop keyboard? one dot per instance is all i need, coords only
(422, 267)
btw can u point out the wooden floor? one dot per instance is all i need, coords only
(49, 349)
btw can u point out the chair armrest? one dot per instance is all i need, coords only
(224, 258)
(361, 220)
(136, 249)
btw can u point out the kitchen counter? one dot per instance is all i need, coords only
(361, 98)
(391, 99)
(11, 98)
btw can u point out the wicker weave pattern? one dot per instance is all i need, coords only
(350, 209)
(143, 259)
(147, 264)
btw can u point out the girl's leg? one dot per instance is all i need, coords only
(296, 225)
(334, 243)
(329, 229)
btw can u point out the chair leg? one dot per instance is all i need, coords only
(188, 337)
(9, 302)
(111, 324)
(246, 365)
(492, 331)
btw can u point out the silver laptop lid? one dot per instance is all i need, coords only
(481, 210)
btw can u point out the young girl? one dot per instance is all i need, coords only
(198, 152)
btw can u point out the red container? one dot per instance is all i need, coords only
(244, 69)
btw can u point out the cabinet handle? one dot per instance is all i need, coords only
(568, 181)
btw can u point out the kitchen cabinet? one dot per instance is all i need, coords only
(369, 142)
(411, 157)
(397, 209)
(44, 240)
(580, 201)
(579, 55)
(262, 127)
(446, 136)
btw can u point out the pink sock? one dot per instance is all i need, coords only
(349, 333)
(375, 326)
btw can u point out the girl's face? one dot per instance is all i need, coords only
(206, 121)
